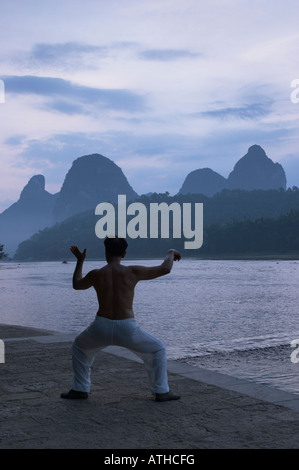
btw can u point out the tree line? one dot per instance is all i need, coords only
(2, 253)
(236, 222)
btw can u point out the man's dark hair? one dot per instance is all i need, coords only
(115, 246)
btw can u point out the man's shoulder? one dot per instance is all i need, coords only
(94, 272)
(108, 268)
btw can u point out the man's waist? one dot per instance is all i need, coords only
(116, 316)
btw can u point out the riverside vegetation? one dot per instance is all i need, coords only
(235, 222)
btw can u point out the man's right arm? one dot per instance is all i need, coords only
(80, 282)
(145, 273)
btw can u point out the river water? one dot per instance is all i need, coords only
(236, 317)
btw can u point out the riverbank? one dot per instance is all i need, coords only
(215, 411)
(216, 257)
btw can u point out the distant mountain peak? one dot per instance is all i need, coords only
(256, 171)
(32, 212)
(203, 180)
(257, 149)
(91, 179)
(35, 186)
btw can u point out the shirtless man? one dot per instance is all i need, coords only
(115, 323)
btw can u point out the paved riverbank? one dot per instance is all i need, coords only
(215, 411)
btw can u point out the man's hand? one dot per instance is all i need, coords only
(79, 255)
(176, 255)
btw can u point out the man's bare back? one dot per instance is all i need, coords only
(115, 283)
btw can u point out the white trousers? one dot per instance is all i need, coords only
(103, 332)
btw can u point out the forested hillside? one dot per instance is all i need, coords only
(235, 222)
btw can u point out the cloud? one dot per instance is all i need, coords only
(248, 112)
(67, 97)
(65, 107)
(60, 53)
(166, 55)
(69, 56)
(15, 140)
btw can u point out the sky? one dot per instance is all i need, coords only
(161, 87)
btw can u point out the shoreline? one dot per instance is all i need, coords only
(218, 257)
